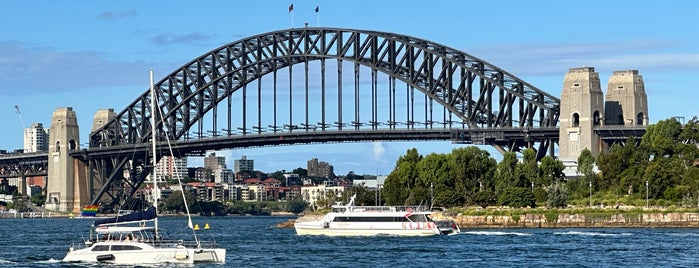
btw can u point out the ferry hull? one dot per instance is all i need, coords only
(316, 228)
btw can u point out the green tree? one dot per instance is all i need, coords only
(586, 165)
(279, 175)
(557, 196)
(661, 174)
(302, 172)
(364, 196)
(517, 197)
(529, 167)
(506, 175)
(484, 198)
(209, 208)
(398, 184)
(296, 205)
(661, 139)
(434, 170)
(473, 170)
(175, 203)
(38, 199)
(551, 170)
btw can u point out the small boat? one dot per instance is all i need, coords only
(448, 227)
(133, 237)
(130, 239)
(351, 220)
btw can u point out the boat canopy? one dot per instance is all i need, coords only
(147, 214)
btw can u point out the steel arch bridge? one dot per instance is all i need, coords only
(291, 86)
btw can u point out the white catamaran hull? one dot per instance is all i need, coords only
(151, 256)
(366, 229)
(210, 255)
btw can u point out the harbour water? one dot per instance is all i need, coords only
(255, 242)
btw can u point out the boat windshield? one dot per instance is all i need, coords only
(339, 210)
(126, 234)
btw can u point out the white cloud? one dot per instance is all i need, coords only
(378, 150)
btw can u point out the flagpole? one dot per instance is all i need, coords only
(318, 16)
(291, 10)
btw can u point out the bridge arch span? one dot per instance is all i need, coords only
(221, 93)
(476, 93)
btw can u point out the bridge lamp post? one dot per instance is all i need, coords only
(431, 194)
(646, 194)
(590, 193)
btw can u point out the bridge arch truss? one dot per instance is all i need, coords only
(293, 84)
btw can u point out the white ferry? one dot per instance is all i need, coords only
(351, 220)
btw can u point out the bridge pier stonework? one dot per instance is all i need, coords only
(66, 184)
(583, 108)
(626, 101)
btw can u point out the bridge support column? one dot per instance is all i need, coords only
(94, 182)
(22, 184)
(582, 109)
(66, 177)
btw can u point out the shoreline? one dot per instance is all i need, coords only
(583, 220)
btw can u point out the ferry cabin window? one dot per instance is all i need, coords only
(370, 219)
(418, 218)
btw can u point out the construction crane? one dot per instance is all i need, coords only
(20, 116)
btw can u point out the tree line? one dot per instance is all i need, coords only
(666, 159)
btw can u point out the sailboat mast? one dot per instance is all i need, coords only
(153, 129)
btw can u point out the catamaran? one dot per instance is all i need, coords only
(351, 220)
(136, 239)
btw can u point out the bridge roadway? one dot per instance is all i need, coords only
(198, 147)
(17, 165)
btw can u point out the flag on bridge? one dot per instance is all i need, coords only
(317, 9)
(291, 7)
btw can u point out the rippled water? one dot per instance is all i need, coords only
(254, 242)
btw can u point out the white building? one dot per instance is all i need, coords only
(223, 175)
(311, 194)
(36, 139)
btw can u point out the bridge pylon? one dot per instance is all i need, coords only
(593, 121)
(582, 109)
(66, 182)
(626, 102)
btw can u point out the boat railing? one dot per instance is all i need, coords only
(185, 243)
(405, 209)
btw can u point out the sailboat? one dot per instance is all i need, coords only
(135, 238)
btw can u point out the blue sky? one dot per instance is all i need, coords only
(91, 55)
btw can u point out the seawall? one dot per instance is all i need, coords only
(563, 220)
